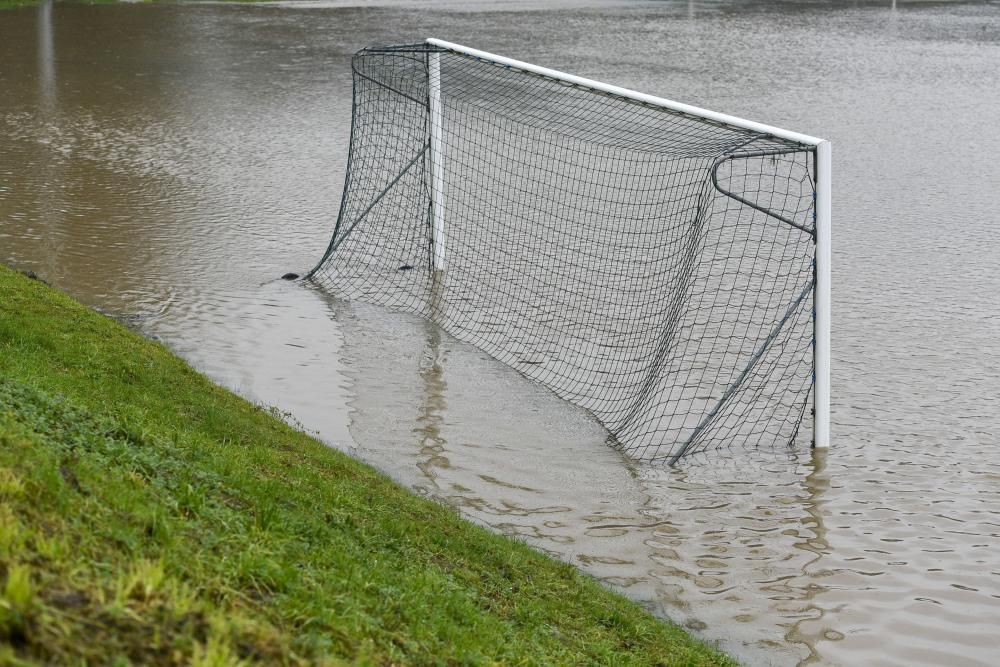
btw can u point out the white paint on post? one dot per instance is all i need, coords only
(824, 163)
(436, 160)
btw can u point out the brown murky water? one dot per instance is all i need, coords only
(166, 163)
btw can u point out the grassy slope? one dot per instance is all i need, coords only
(148, 514)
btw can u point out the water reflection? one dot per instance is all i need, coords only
(430, 419)
(812, 538)
(46, 59)
(51, 209)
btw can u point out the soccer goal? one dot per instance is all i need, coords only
(664, 267)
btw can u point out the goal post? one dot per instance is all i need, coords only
(664, 267)
(436, 160)
(822, 324)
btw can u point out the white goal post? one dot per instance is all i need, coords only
(822, 209)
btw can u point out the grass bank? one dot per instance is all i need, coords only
(149, 516)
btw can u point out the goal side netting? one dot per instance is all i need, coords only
(651, 266)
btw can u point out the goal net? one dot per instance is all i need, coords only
(652, 265)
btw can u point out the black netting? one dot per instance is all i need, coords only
(652, 267)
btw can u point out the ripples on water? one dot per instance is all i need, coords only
(166, 163)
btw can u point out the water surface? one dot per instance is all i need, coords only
(166, 163)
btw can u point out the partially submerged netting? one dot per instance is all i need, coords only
(652, 267)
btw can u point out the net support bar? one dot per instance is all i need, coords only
(436, 160)
(821, 423)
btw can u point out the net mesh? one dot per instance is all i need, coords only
(652, 267)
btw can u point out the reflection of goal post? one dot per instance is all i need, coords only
(665, 267)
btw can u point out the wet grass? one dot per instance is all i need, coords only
(150, 517)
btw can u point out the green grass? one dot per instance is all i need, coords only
(148, 516)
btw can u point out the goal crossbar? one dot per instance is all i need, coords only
(722, 118)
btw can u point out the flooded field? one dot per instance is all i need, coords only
(167, 163)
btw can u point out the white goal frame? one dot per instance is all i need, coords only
(822, 211)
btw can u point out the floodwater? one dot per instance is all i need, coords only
(166, 163)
